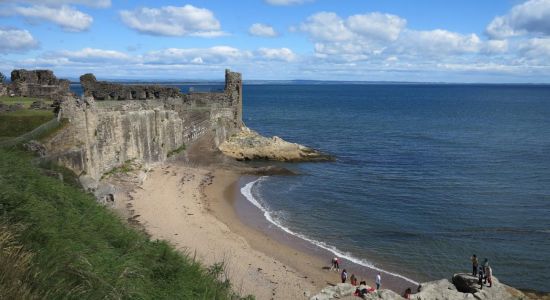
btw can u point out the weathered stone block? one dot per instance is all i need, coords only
(38, 83)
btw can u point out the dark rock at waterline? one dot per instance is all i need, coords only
(269, 170)
(465, 283)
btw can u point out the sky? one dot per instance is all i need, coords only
(489, 41)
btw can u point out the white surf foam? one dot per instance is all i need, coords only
(246, 191)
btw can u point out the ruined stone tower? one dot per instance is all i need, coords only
(234, 91)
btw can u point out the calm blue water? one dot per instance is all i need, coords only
(426, 175)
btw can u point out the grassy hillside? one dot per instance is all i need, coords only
(56, 242)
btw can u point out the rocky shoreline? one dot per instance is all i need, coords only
(461, 286)
(249, 145)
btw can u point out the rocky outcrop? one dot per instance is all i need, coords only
(102, 90)
(444, 289)
(38, 83)
(434, 290)
(335, 292)
(249, 145)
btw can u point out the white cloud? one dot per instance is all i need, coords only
(65, 16)
(377, 36)
(326, 26)
(377, 25)
(282, 54)
(258, 29)
(90, 3)
(287, 2)
(173, 21)
(532, 16)
(178, 56)
(495, 46)
(16, 40)
(537, 49)
(439, 42)
(91, 55)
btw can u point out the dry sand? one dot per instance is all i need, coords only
(191, 208)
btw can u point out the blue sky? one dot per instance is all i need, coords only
(398, 40)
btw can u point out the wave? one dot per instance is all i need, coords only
(246, 191)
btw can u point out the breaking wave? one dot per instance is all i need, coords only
(246, 191)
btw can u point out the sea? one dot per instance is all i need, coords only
(425, 176)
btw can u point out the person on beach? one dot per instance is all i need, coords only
(378, 281)
(407, 294)
(335, 265)
(480, 277)
(344, 276)
(475, 263)
(362, 289)
(353, 280)
(489, 275)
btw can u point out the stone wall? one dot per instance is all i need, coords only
(102, 135)
(100, 138)
(102, 90)
(38, 83)
(3, 89)
(230, 97)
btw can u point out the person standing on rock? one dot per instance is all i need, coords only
(378, 281)
(485, 267)
(344, 276)
(475, 263)
(489, 275)
(480, 277)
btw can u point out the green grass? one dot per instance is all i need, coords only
(126, 167)
(176, 151)
(16, 123)
(77, 249)
(50, 132)
(26, 101)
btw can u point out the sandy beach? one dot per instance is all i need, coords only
(179, 204)
(193, 208)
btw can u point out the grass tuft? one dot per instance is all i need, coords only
(176, 151)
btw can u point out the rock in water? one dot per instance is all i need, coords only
(249, 145)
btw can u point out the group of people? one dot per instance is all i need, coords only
(484, 272)
(362, 288)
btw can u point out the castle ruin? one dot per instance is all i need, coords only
(114, 123)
